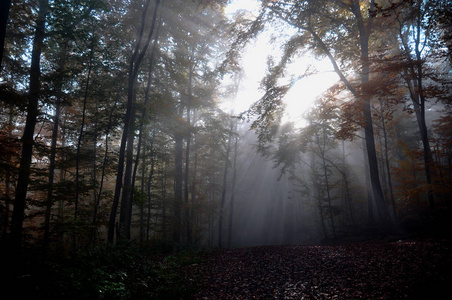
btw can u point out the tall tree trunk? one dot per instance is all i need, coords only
(370, 197)
(186, 179)
(142, 183)
(27, 137)
(134, 66)
(178, 179)
(194, 195)
(164, 204)
(79, 145)
(386, 159)
(415, 82)
(223, 192)
(364, 33)
(187, 156)
(49, 201)
(149, 185)
(8, 180)
(104, 167)
(321, 146)
(233, 183)
(4, 12)
(125, 213)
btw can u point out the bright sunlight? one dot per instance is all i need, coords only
(303, 93)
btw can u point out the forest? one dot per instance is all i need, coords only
(131, 150)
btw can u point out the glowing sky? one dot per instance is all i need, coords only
(302, 95)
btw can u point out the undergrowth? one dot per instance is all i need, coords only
(109, 273)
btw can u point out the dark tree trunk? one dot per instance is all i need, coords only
(178, 179)
(386, 159)
(364, 33)
(134, 66)
(125, 214)
(223, 192)
(49, 201)
(104, 166)
(194, 213)
(149, 185)
(231, 203)
(164, 205)
(321, 146)
(8, 182)
(186, 179)
(4, 12)
(27, 137)
(79, 145)
(414, 78)
(187, 157)
(371, 155)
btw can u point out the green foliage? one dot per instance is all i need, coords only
(117, 273)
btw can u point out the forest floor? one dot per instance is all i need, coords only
(405, 269)
(372, 270)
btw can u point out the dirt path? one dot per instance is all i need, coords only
(397, 270)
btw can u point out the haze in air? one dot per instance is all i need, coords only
(144, 139)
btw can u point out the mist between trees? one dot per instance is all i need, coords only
(114, 128)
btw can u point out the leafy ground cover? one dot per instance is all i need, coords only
(371, 270)
(376, 270)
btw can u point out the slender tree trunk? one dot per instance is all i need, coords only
(104, 167)
(79, 145)
(420, 112)
(27, 137)
(370, 197)
(187, 158)
(386, 158)
(134, 66)
(142, 184)
(8, 179)
(4, 12)
(178, 179)
(125, 214)
(146, 100)
(149, 184)
(364, 33)
(49, 201)
(320, 208)
(164, 204)
(321, 146)
(223, 193)
(232, 200)
(63, 172)
(416, 90)
(186, 179)
(194, 213)
(347, 186)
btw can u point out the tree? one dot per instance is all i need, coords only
(331, 29)
(27, 137)
(127, 136)
(4, 12)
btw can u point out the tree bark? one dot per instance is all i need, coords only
(4, 12)
(104, 166)
(233, 183)
(178, 179)
(415, 83)
(187, 176)
(134, 66)
(49, 201)
(223, 192)
(79, 143)
(364, 33)
(27, 137)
